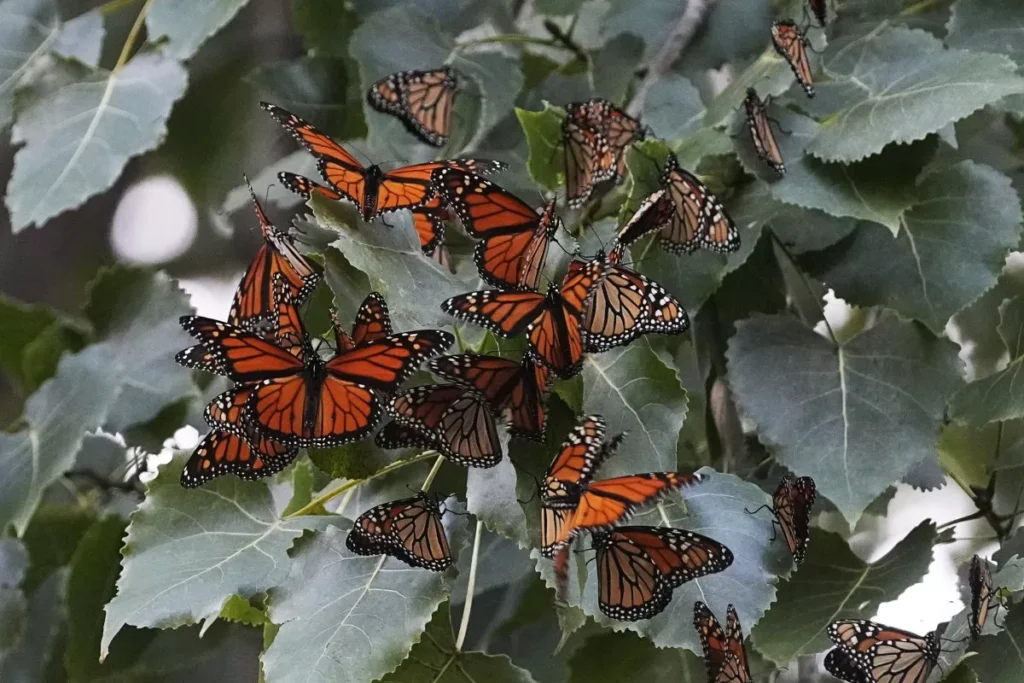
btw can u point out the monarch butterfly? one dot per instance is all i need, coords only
(421, 100)
(791, 506)
(724, 654)
(303, 401)
(638, 567)
(252, 307)
(222, 453)
(428, 220)
(626, 305)
(983, 595)
(589, 160)
(655, 211)
(373, 322)
(761, 134)
(517, 388)
(409, 529)
(453, 419)
(551, 321)
(514, 239)
(699, 220)
(618, 128)
(373, 191)
(820, 9)
(873, 653)
(570, 502)
(790, 42)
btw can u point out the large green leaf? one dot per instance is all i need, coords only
(626, 657)
(29, 660)
(491, 496)
(344, 617)
(715, 508)
(898, 85)
(188, 551)
(79, 136)
(82, 38)
(1000, 658)
(187, 25)
(24, 325)
(543, 131)
(435, 658)
(126, 378)
(856, 417)
(997, 397)
(637, 393)
(13, 606)
(673, 107)
(801, 230)
(27, 29)
(951, 248)
(988, 26)
(833, 583)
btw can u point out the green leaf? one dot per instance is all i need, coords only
(434, 658)
(967, 453)
(954, 239)
(350, 461)
(326, 25)
(651, 22)
(124, 379)
(79, 136)
(867, 16)
(27, 30)
(673, 107)
(543, 130)
(344, 617)
(52, 537)
(801, 230)
(497, 80)
(988, 26)
(872, 405)
(413, 285)
(768, 74)
(715, 509)
(240, 610)
(637, 393)
(13, 606)
(625, 658)
(997, 397)
(558, 7)
(186, 25)
(491, 496)
(898, 85)
(82, 38)
(44, 613)
(1000, 657)
(833, 583)
(220, 540)
(23, 324)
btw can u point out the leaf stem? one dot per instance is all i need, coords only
(433, 471)
(112, 6)
(803, 277)
(470, 587)
(133, 34)
(509, 38)
(352, 483)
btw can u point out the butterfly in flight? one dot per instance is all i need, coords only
(514, 239)
(638, 567)
(551, 321)
(626, 305)
(409, 529)
(428, 219)
(454, 420)
(791, 506)
(616, 126)
(759, 125)
(514, 388)
(421, 100)
(724, 654)
(571, 502)
(869, 652)
(790, 42)
(372, 190)
(301, 400)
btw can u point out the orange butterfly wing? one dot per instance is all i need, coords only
(761, 134)
(221, 453)
(790, 42)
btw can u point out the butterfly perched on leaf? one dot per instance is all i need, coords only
(454, 420)
(422, 100)
(571, 502)
(790, 42)
(699, 220)
(725, 656)
(589, 160)
(515, 389)
(792, 503)
(552, 322)
(761, 134)
(638, 567)
(868, 652)
(246, 457)
(427, 219)
(985, 598)
(514, 238)
(409, 529)
(618, 128)
(372, 190)
(626, 305)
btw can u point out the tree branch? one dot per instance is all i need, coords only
(676, 41)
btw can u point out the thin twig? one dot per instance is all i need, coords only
(676, 41)
(470, 588)
(133, 34)
(565, 40)
(433, 473)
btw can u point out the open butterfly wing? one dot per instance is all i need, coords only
(505, 313)
(883, 653)
(428, 221)
(306, 188)
(242, 356)
(221, 453)
(630, 586)
(555, 334)
(420, 539)
(626, 305)
(373, 321)
(456, 420)
(387, 362)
